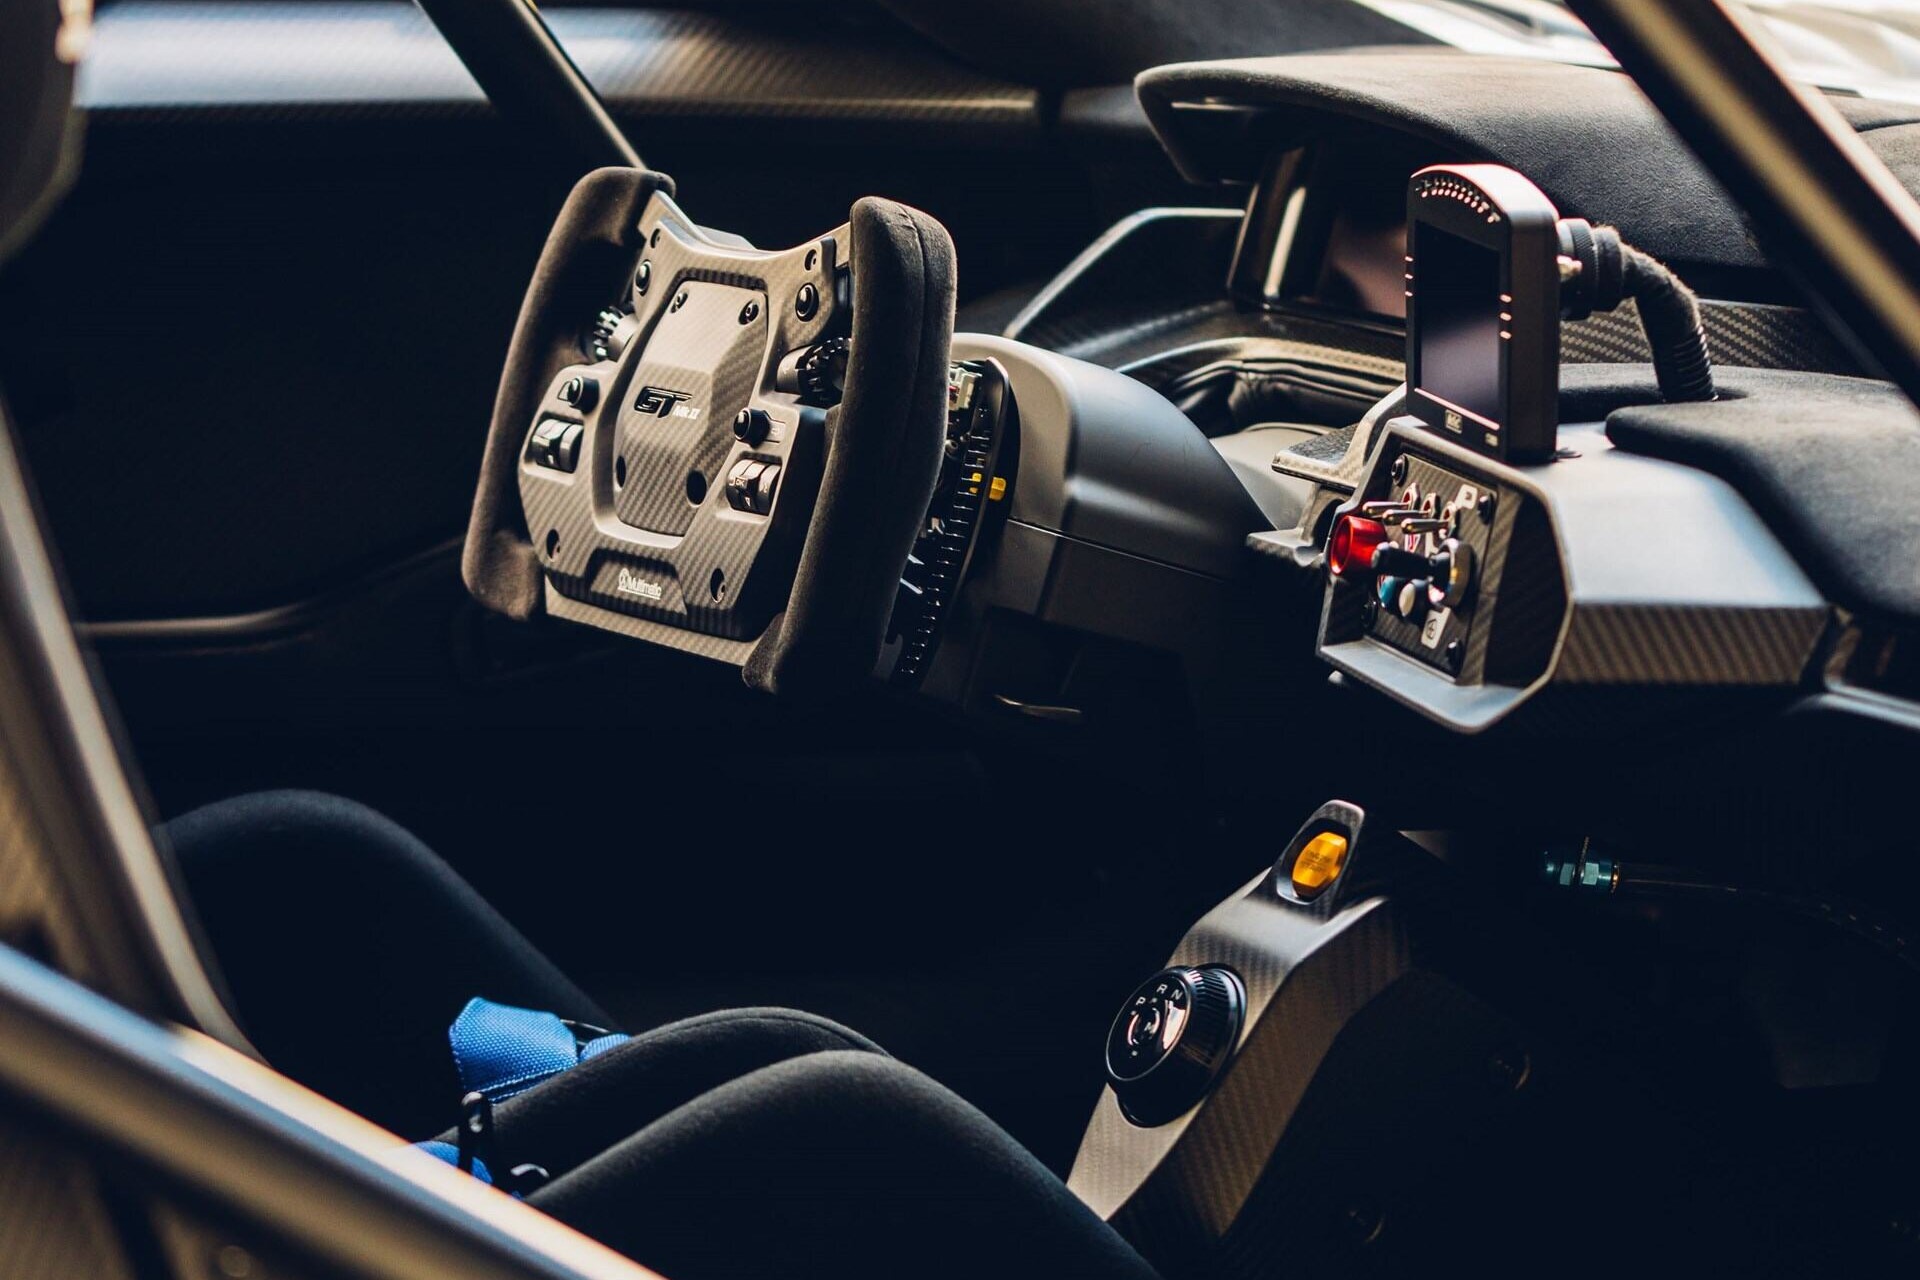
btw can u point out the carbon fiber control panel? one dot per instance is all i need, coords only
(669, 475)
(1420, 554)
(1590, 589)
(1426, 562)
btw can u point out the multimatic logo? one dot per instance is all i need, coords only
(632, 584)
(659, 402)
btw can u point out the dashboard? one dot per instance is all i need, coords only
(1673, 558)
(1171, 445)
(1678, 634)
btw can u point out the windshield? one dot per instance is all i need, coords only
(1868, 47)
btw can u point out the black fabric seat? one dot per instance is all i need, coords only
(741, 1142)
(349, 946)
(835, 1164)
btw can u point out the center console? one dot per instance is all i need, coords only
(1299, 1041)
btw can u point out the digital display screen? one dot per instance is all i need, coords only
(1349, 248)
(1360, 263)
(1456, 301)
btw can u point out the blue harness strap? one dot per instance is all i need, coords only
(501, 1051)
(451, 1154)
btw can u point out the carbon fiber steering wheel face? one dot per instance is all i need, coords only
(740, 454)
(668, 480)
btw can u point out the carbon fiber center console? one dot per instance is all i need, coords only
(1303, 1039)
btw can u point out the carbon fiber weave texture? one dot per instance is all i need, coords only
(623, 532)
(158, 60)
(1743, 334)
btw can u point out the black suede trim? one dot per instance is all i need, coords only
(597, 226)
(1826, 461)
(883, 457)
(1065, 44)
(1588, 137)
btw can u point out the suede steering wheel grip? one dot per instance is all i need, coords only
(597, 230)
(884, 443)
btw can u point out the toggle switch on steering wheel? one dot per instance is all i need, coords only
(713, 447)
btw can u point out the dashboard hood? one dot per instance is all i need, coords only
(1574, 130)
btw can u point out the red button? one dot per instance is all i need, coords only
(1351, 545)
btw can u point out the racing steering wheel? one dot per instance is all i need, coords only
(734, 459)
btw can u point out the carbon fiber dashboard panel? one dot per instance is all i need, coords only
(1613, 586)
(1157, 346)
(326, 58)
(1744, 334)
(1161, 345)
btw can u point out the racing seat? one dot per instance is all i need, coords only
(736, 1141)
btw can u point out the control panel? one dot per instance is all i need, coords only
(1172, 1039)
(1468, 588)
(1418, 553)
(1440, 561)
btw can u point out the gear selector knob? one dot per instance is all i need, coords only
(1172, 1038)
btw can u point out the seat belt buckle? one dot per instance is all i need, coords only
(475, 1134)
